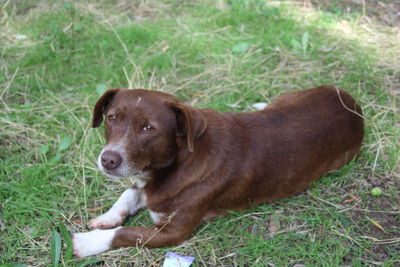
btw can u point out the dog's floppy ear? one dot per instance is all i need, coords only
(101, 105)
(190, 123)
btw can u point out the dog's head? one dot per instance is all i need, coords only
(142, 129)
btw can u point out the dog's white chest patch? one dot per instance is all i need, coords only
(140, 180)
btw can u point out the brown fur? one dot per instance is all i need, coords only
(202, 162)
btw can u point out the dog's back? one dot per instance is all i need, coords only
(295, 140)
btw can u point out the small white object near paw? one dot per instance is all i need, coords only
(259, 106)
(93, 243)
(156, 217)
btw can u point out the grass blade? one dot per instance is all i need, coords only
(101, 88)
(55, 249)
(89, 261)
(304, 42)
(241, 48)
(65, 142)
(67, 240)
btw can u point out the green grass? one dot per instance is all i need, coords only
(209, 54)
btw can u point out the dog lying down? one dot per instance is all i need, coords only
(192, 165)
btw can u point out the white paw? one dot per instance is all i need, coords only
(92, 243)
(108, 220)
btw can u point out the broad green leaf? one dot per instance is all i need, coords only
(55, 247)
(78, 27)
(65, 142)
(295, 45)
(56, 158)
(304, 42)
(100, 88)
(44, 149)
(67, 240)
(13, 265)
(68, 5)
(240, 48)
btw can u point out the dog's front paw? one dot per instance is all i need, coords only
(92, 243)
(107, 220)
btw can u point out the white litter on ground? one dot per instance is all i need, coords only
(259, 106)
(174, 260)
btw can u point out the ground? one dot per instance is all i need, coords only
(57, 57)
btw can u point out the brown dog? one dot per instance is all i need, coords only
(193, 164)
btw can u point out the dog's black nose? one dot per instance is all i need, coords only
(110, 159)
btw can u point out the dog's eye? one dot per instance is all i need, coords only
(111, 117)
(148, 129)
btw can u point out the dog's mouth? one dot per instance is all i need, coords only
(116, 174)
(112, 174)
